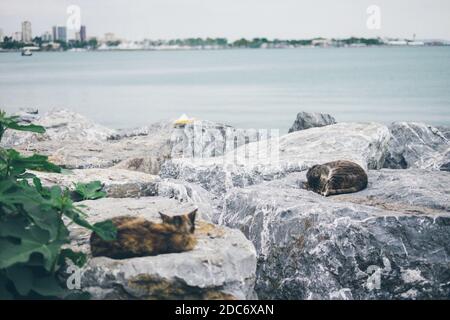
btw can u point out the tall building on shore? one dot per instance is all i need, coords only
(83, 34)
(54, 32)
(26, 32)
(17, 36)
(47, 37)
(59, 33)
(1, 35)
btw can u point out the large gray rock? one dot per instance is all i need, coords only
(391, 241)
(408, 191)
(75, 142)
(416, 145)
(445, 162)
(445, 131)
(145, 153)
(120, 183)
(117, 183)
(364, 143)
(221, 266)
(202, 139)
(188, 193)
(306, 120)
(61, 126)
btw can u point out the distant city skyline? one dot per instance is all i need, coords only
(283, 19)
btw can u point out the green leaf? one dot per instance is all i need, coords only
(78, 258)
(22, 278)
(18, 164)
(12, 122)
(29, 127)
(33, 240)
(106, 230)
(32, 229)
(48, 286)
(90, 191)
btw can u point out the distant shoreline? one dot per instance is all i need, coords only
(225, 49)
(194, 44)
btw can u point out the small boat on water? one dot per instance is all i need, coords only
(26, 53)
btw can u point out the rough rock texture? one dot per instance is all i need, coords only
(445, 131)
(222, 265)
(28, 115)
(117, 183)
(306, 120)
(75, 142)
(203, 138)
(188, 193)
(391, 241)
(445, 163)
(364, 143)
(89, 148)
(416, 145)
(408, 191)
(120, 183)
(61, 125)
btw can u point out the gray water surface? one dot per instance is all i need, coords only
(245, 88)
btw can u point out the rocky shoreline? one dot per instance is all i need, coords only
(261, 234)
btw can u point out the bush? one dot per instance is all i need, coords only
(32, 229)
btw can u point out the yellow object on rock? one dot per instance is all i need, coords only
(183, 120)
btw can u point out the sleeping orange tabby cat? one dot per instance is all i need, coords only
(138, 237)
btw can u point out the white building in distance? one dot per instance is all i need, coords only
(1, 35)
(110, 37)
(17, 36)
(47, 37)
(26, 32)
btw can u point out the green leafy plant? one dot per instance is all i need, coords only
(88, 191)
(32, 230)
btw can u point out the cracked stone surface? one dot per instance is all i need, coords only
(391, 241)
(221, 266)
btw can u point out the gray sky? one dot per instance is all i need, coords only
(138, 19)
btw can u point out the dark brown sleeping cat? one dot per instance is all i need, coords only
(138, 237)
(336, 177)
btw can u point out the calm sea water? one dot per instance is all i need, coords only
(245, 88)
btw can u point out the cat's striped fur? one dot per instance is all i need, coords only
(138, 237)
(336, 177)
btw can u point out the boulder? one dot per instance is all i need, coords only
(390, 241)
(306, 120)
(445, 163)
(61, 126)
(142, 153)
(203, 139)
(188, 193)
(416, 145)
(265, 160)
(221, 266)
(413, 191)
(148, 147)
(75, 142)
(120, 183)
(28, 115)
(445, 131)
(117, 183)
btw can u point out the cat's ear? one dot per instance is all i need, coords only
(192, 215)
(164, 217)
